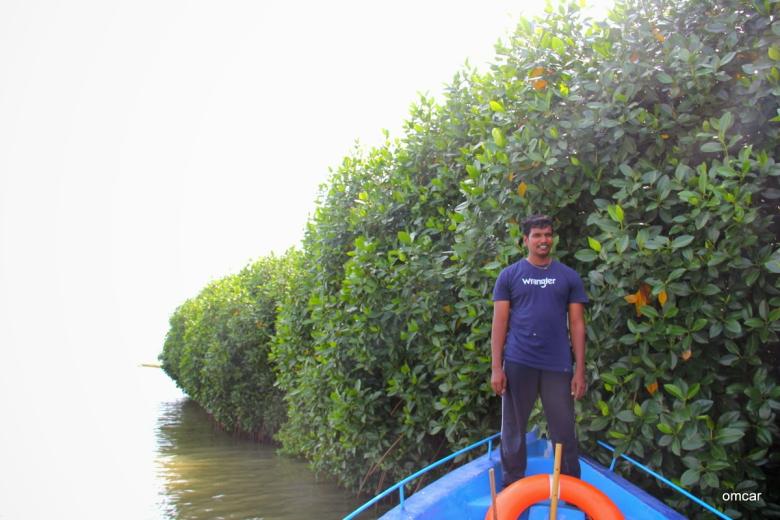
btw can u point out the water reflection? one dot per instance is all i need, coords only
(208, 474)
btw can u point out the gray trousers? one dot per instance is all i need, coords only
(523, 386)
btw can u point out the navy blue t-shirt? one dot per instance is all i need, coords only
(538, 332)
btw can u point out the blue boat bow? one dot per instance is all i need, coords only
(464, 493)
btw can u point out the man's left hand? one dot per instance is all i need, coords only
(578, 386)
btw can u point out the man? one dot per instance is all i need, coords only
(534, 301)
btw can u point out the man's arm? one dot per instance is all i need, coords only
(577, 333)
(497, 340)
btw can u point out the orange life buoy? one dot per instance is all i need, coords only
(522, 494)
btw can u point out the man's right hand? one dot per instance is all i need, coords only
(498, 380)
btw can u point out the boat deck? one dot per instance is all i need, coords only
(464, 493)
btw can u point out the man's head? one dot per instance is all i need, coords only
(536, 221)
(538, 238)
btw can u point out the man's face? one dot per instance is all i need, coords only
(539, 241)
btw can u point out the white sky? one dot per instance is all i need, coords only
(148, 147)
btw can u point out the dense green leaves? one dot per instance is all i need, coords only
(649, 138)
(218, 345)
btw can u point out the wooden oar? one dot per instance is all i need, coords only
(555, 482)
(493, 492)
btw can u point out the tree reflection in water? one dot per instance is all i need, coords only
(209, 474)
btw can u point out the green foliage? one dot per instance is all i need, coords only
(649, 139)
(218, 344)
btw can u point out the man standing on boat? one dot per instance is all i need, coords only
(538, 320)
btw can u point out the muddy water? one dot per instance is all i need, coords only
(125, 443)
(209, 474)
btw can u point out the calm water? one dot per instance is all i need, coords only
(130, 445)
(208, 474)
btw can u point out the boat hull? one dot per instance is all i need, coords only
(464, 493)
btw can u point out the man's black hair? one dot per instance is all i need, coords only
(535, 221)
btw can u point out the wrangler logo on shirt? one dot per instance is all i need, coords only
(544, 282)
